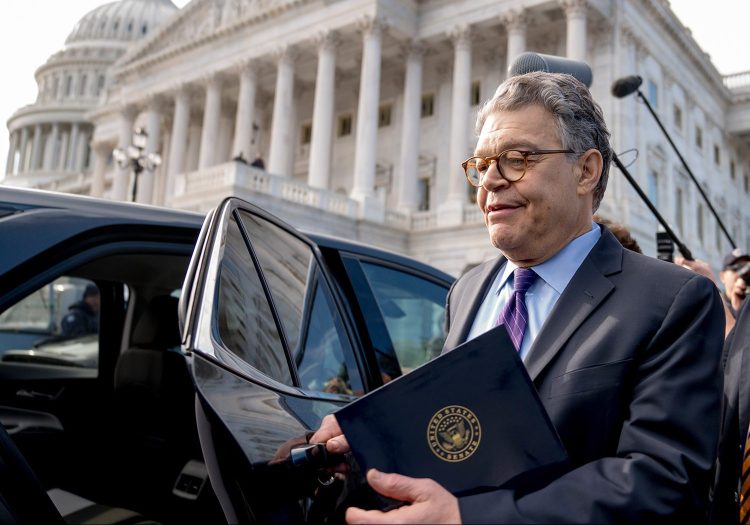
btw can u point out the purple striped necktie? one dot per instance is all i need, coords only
(514, 315)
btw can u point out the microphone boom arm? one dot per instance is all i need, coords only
(687, 168)
(672, 235)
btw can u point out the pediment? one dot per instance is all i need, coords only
(198, 22)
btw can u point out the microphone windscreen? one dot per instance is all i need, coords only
(626, 85)
(529, 62)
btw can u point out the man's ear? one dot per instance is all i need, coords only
(589, 171)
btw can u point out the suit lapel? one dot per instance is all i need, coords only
(588, 288)
(467, 305)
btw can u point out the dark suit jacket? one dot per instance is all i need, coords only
(735, 420)
(627, 365)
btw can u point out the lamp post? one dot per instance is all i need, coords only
(133, 157)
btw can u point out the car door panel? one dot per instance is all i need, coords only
(240, 335)
(278, 339)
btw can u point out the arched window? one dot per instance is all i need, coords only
(68, 85)
(82, 85)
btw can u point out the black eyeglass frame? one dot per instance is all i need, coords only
(496, 158)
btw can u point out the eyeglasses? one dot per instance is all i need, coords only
(511, 163)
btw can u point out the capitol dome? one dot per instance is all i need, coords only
(51, 137)
(124, 20)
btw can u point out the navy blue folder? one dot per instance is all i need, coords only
(470, 419)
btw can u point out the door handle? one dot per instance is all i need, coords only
(35, 394)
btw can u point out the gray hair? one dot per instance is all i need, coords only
(579, 119)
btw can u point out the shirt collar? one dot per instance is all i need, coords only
(558, 270)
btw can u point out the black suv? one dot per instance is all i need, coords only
(204, 350)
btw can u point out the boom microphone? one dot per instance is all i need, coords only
(626, 85)
(529, 62)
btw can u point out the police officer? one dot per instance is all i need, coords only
(83, 316)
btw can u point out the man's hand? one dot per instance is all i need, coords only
(330, 434)
(428, 501)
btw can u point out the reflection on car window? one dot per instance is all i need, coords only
(323, 362)
(55, 325)
(246, 324)
(413, 310)
(314, 332)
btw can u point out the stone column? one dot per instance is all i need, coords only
(280, 158)
(122, 174)
(323, 109)
(211, 117)
(73, 147)
(243, 122)
(515, 24)
(145, 190)
(11, 153)
(409, 159)
(367, 118)
(50, 150)
(36, 149)
(23, 149)
(460, 135)
(178, 144)
(83, 142)
(575, 13)
(101, 154)
(64, 141)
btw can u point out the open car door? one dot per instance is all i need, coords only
(271, 354)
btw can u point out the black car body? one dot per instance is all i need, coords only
(190, 413)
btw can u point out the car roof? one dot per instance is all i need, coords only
(24, 212)
(13, 200)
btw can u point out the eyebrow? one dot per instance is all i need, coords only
(490, 151)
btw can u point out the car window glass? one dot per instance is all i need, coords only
(58, 325)
(325, 363)
(413, 309)
(309, 318)
(246, 324)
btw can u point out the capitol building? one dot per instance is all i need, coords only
(363, 110)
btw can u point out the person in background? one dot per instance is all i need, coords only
(735, 287)
(623, 349)
(621, 232)
(258, 162)
(83, 316)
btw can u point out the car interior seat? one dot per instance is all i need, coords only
(154, 421)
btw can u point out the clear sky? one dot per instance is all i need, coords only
(32, 30)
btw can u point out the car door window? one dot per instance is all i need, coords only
(413, 309)
(57, 325)
(313, 329)
(245, 319)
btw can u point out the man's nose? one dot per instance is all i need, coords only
(493, 179)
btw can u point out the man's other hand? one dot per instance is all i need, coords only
(427, 501)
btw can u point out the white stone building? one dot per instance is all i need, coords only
(364, 109)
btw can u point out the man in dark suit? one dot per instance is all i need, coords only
(727, 493)
(623, 349)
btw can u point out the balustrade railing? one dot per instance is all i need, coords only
(217, 178)
(737, 80)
